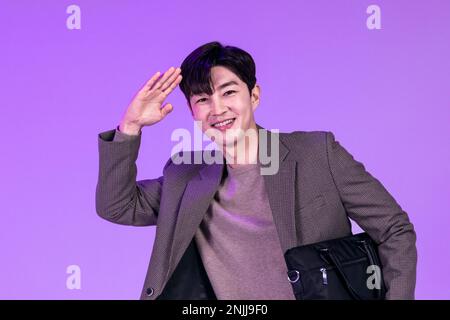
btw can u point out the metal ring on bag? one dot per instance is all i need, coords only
(297, 276)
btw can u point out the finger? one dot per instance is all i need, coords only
(164, 78)
(173, 85)
(152, 80)
(171, 79)
(167, 108)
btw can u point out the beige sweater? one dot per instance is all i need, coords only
(238, 240)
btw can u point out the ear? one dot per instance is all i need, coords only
(256, 91)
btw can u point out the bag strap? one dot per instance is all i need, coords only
(341, 272)
(372, 256)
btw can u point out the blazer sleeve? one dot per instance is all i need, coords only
(371, 206)
(119, 198)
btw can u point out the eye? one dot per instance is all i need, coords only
(230, 91)
(200, 100)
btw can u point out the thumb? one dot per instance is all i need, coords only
(166, 109)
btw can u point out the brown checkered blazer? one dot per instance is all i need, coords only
(318, 187)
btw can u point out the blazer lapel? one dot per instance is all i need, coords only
(280, 188)
(196, 199)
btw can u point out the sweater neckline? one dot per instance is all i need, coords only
(242, 168)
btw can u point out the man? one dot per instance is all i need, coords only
(222, 228)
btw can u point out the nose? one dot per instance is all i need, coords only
(217, 107)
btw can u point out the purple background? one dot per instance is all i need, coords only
(384, 93)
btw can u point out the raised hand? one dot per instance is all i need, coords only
(145, 108)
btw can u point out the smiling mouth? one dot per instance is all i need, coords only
(223, 123)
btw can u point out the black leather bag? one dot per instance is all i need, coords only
(347, 268)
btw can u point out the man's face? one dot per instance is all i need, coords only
(230, 100)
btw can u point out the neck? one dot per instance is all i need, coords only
(243, 151)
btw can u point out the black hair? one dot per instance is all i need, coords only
(196, 68)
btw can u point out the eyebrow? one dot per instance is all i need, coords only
(226, 84)
(223, 85)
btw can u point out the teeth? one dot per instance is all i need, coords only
(223, 123)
